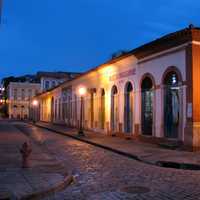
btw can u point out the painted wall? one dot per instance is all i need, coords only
(126, 70)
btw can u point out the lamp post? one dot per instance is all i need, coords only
(81, 91)
(35, 104)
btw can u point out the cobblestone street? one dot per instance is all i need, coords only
(100, 174)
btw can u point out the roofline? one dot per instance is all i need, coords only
(187, 34)
(56, 74)
(89, 71)
(24, 83)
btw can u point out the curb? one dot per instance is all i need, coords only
(92, 143)
(163, 164)
(58, 187)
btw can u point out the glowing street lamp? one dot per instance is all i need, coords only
(81, 91)
(35, 104)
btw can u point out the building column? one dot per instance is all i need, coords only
(108, 110)
(192, 129)
(120, 110)
(137, 114)
(158, 112)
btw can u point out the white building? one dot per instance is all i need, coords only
(19, 95)
(50, 80)
(151, 92)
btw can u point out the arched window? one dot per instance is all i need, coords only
(128, 108)
(147, 106)
(171, 104)
(171, 79)
(114, 109)
(46, 85)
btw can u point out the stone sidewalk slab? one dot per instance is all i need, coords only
(45, 175)
(24, 183)
(145, 152)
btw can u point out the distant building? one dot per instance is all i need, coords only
(49, 80)
(19, 95)
(21, 89)
(1, 93)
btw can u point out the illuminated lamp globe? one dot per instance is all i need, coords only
(82, 91)
(35, 102)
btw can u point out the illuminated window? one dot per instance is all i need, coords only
(15, 94)
(46, 85)
(23, 94)
(53, 84)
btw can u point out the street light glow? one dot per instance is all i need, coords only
(82, 91)
(35, 102)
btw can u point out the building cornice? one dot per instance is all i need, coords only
(164, 44)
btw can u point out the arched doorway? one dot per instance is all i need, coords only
(171, 105)
(102, 109)
(128, 108)
(147, 106)
(114, 108)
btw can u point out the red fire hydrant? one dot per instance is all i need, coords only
(25, 152)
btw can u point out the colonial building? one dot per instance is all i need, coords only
(151, 91)
(22, 89)
(50, 80)
(19, 95)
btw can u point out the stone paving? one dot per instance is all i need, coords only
(149, 153)
(44, 173)
(104, 175)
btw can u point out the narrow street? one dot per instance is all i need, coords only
(100, 174)
(99, 100)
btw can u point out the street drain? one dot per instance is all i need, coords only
(184, 166)
(135, 189)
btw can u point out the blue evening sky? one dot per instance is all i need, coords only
(76, 35)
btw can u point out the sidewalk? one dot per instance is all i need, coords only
(145, 152)
(46, 174)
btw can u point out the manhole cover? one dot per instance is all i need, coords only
(135, 189)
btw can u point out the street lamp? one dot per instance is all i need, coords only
(82, 92)
(35, 104)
